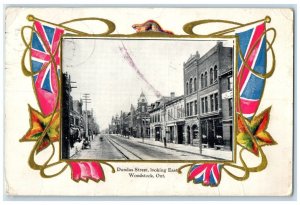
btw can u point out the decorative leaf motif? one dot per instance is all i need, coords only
(38, 123)
(241, 126)
(257, 127)
(246, 141)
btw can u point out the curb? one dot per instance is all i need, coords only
(217, 158)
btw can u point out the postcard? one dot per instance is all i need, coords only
(149, 102)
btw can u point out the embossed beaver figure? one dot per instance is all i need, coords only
(149, 25)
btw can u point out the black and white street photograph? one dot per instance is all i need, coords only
(147, 99)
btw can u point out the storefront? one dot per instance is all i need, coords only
(212, 132)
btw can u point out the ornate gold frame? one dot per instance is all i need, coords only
(188, 28)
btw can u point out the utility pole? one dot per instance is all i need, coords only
(86, 99)
(121, 123)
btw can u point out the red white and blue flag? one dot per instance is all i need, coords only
(207, 174)
(45, 62)
(253, 48)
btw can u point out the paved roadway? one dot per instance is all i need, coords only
(113, 147)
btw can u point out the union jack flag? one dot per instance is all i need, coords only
(207, 174)
(253, 48)
(45, 62)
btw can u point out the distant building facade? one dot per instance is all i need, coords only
(142, 118)
(132, 122)
(157, 119)
(175, 120)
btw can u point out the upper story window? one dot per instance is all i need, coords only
(211, 103)
(216, 102)
(230, 83)
(215, 72)
(206, 104)
(202, 105)
(230, 102)
(191, 108)
(187, 109)
(211, 76)
(202, 80)
(187, 88)
(191, 85)
(205, 79)
(195, 84)
(181, 111)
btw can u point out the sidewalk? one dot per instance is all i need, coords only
(210, 152)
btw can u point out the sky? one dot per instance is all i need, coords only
(115, 71)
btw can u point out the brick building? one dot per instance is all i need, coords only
(208, 97)
(191, 85)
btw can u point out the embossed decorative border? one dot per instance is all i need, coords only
(251, 134)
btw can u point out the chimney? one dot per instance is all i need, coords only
(220, 43)
(172, 95)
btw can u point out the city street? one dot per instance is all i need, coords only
(116, 147)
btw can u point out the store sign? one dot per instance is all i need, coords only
(227, 95)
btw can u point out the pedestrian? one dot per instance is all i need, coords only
(165, 141)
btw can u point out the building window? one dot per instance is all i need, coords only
(202, 105)
(211, 77)
(216, 102)
(191, 108)
(196, 107)
(206, 105)
(175, 115)
(215, 72)
(230, 83)
(195, 84)
(187, 88)
(158, 118)
(205, 79)
(202, 81)
(211, 103)
(230, 106)
(71, 120)
(191, 85)
(181, 111)
(187, 109)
